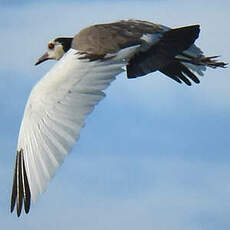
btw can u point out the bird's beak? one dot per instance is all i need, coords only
(42, 58)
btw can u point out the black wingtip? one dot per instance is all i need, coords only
(179, 72)
(19, 185)
(27, 194)
(14, 188)
(20, 190)
(181, 38)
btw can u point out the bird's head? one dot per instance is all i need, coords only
(56, 49)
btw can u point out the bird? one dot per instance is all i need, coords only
(86, 65)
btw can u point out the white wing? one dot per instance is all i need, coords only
(54, 115)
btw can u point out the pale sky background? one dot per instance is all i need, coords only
(153, 155)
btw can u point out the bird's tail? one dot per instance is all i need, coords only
(189, 62)
(202, 61)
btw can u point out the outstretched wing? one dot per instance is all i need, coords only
(54, 115)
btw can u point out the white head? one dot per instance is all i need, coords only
(56, 49)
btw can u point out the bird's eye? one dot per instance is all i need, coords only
(51, 46)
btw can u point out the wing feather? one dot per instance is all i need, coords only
(54, 115)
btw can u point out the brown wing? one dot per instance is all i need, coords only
(99, 40)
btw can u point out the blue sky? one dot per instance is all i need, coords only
(153, 155)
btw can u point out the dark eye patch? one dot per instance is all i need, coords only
(51, 46)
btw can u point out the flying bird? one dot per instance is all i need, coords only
(87, 63)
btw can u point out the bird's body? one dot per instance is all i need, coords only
(89, 62)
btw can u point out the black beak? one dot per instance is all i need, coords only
(42, 58)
